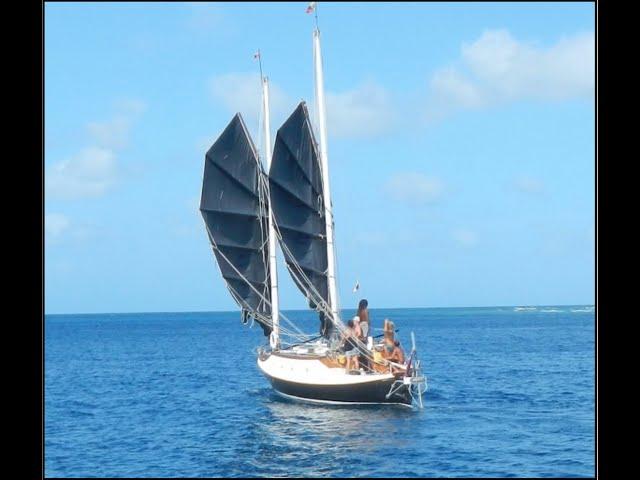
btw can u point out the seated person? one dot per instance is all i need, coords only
(388, 349)
(397, 355)
(392, 352)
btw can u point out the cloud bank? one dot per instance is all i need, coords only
(414, 188)
(242, 92)
(90, 173)
(55, 224)
(95, 169)
(497, 68)
(363, 111)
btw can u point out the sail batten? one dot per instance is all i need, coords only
(295, 195)
(230, 176)
(302, 167)
(294, 230)
(296, 188)
(234, 204)
(230, 212)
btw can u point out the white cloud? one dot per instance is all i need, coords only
(497, 68)
(131, 106)
(452, 87)
(528, 184)
(242, 92)
(361, 112)
(90, 173)
(464, 237)
(59, 228)
(414, 188)
(94, 170)
(55, 224)
(206, 18)
(114, 133)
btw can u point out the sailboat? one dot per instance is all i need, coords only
(247, 207)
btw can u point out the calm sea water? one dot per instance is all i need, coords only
(511, 393)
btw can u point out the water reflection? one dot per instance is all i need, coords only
(286, 437)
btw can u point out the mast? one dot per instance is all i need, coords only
(273, 272)
(333, 298)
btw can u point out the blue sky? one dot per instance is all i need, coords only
(461, 147)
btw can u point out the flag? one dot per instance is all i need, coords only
(257, 54)
(311, 7)
(356, 287)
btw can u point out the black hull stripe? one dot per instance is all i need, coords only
(370, 392)
(333, 402)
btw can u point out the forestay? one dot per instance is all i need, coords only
(234, 205)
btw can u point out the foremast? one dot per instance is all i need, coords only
(326, 190)
(274, 338)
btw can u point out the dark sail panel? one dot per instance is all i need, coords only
(295, 185)
(236, 217)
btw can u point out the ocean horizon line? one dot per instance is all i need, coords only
(307, 309)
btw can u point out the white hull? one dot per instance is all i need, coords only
(316, 378)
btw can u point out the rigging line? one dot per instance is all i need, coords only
(268, 321)
(263, 194)
(292, 261)
(260, 139)
(285, 331)
(243, 304)
(260, 64)
(335, 265)
(262, 112)
(316, 118)
(310, 291)
(299, 269)
(268, 302)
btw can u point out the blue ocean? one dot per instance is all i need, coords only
(511, 393)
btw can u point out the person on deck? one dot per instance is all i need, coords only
(389, 331)
(363, 357)
(357, 328)
(363, 314)
(351, 351)
(390, 351)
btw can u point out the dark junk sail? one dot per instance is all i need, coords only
(295, 184)
(234, 206)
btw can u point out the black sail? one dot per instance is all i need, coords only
(295, 185)
(234, 206)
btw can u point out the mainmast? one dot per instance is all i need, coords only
(324, 162)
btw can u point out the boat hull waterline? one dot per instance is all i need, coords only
(309, 379)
